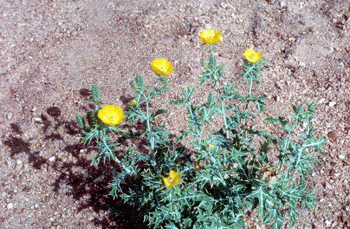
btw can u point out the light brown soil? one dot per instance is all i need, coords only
(52, 51)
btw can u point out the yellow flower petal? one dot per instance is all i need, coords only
(111, 115)
(210, 37)
(162, 67)
(172, 179)
(252, 56)
(211, 146)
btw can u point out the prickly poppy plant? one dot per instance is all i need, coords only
(237, 169)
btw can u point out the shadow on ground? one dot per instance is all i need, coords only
(88, 183)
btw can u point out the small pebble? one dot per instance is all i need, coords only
(333, 135)
(318, 224)
(10, 206)
(341, 156)
(321, 100)
(19, 162)
(52, 158)
(328, 223)
(9, 115)
(19, 167)
(208, 26)
(38, 120)
(341, 106)
(331, 104)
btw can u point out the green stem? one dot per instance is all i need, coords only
(250, 87)
(289, 136)
(249, 70)
(211, 50)
(147, 115)
(199, 133)
(217, 86)
(147, 98)
(151, 141)
(247, 102)
(224, 117)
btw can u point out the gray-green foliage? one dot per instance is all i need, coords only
(235, 176)
(96, 131)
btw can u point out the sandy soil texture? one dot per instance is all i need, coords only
(52, 51)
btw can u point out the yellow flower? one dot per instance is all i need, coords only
(252, 56)
(133, 102)
(211, 146)
(172, 179)
(210, 37)
(162, 67)
(111, 115)
(197, 167)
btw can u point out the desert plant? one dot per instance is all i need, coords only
(237, 169)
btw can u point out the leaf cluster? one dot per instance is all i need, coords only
(96, 131)
(237, 168)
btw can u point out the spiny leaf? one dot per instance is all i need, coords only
(92, 118)
(158, 112)
(211, 99)
(310, 142)
(80, 120)
(95, 91)
(212, 62)
(311, 107)
(280, 121)
(259, 102)
(139, 80)
(164, 80)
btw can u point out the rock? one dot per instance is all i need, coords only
(9, 206)
(38, 120)
(9, 115)
(279, 84)
(341, 156)
(19, 167)
(341, 106)
(333, 135)
(318, 224)
(328, 223)
(52, 158)
(321, 100)
(208, 26)
(331, 104)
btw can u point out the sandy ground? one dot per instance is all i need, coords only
(52, 51)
